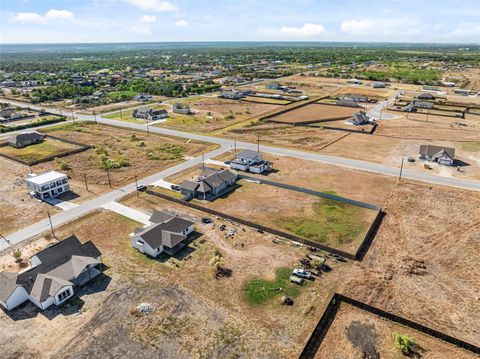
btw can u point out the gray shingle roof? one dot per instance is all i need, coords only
(432, 150)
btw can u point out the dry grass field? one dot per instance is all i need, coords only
(214, 114)
(314, 113)
(355, 333)
(125, 152)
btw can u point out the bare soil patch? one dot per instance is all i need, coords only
(314, 113)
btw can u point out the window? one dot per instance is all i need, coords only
(66, 188)
(52, 185)
(64, 181)
(64, 295)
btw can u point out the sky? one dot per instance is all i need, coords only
(79, 21)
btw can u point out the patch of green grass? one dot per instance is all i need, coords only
(332, 222)
(260, 291)
(167, 151)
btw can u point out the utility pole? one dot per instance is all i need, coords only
(95, 115)
(108, 176)
(60, 111)
(86, 184)
(121, 117)
(235, 148)
(73, 116)
(148, 130)
(401, 170)
(258, 143)
(51, 225)
(203, 160)
(381, 113)
(136, 185)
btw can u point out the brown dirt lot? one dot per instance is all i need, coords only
(356, 333)
(146, 154)
(196, 315)
(306, 138)
(314, 113)
(422, 264)
(358, 185)
(18, 209)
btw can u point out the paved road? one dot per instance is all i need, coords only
(376, 111)
(82, 209)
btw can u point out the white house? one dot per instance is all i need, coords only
(440, 154)
(54, 274)
(250, 161)
(49, 184)
(165, 233)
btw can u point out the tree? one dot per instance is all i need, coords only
(404, 343)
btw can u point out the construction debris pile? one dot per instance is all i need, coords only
(145, 308)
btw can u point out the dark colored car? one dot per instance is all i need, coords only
(206, 220)
(175, 187)
(141, 188)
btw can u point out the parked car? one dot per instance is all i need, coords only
(296, 280)
(175, 187)
(411, 159)
(302, 273)
(141, 188)
(206, 220)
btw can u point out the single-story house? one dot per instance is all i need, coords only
(356, 98)
(440, 154)
(53, 275)
(209, 185)
(142, 97)
(149, 114)
(9, 114)
(359, 118)
(166, 233)
(354, 81)
(462, 92)
(423, 104)
(378, 85)
(181, 108)
(273, 85)
(25, 139)
(347, 103)
(232, 94)
(426, 97)
(251, 161)
(49, 184)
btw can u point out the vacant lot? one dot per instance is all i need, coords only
(366, 91)
(358, 185)
(306, 138)
(196, 315)
(214, 114)
(325, 221)
(314, 113)
(356, 333)
(17, 208)
(123, 152)
(422, 264)
(46, 148)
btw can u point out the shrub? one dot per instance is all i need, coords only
(229, 117)
(63, 165)
(403, 342)
(17, 255)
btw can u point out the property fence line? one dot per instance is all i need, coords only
(291, 108)
(313, 193)
(320, 331)
(365, 243)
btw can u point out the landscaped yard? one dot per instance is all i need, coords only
(48, 147)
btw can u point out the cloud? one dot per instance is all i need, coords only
(181, 23)
(59, 14)
(51, 15)
(304, 31)
(401, 26)
(148, 19)
(153, 5)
